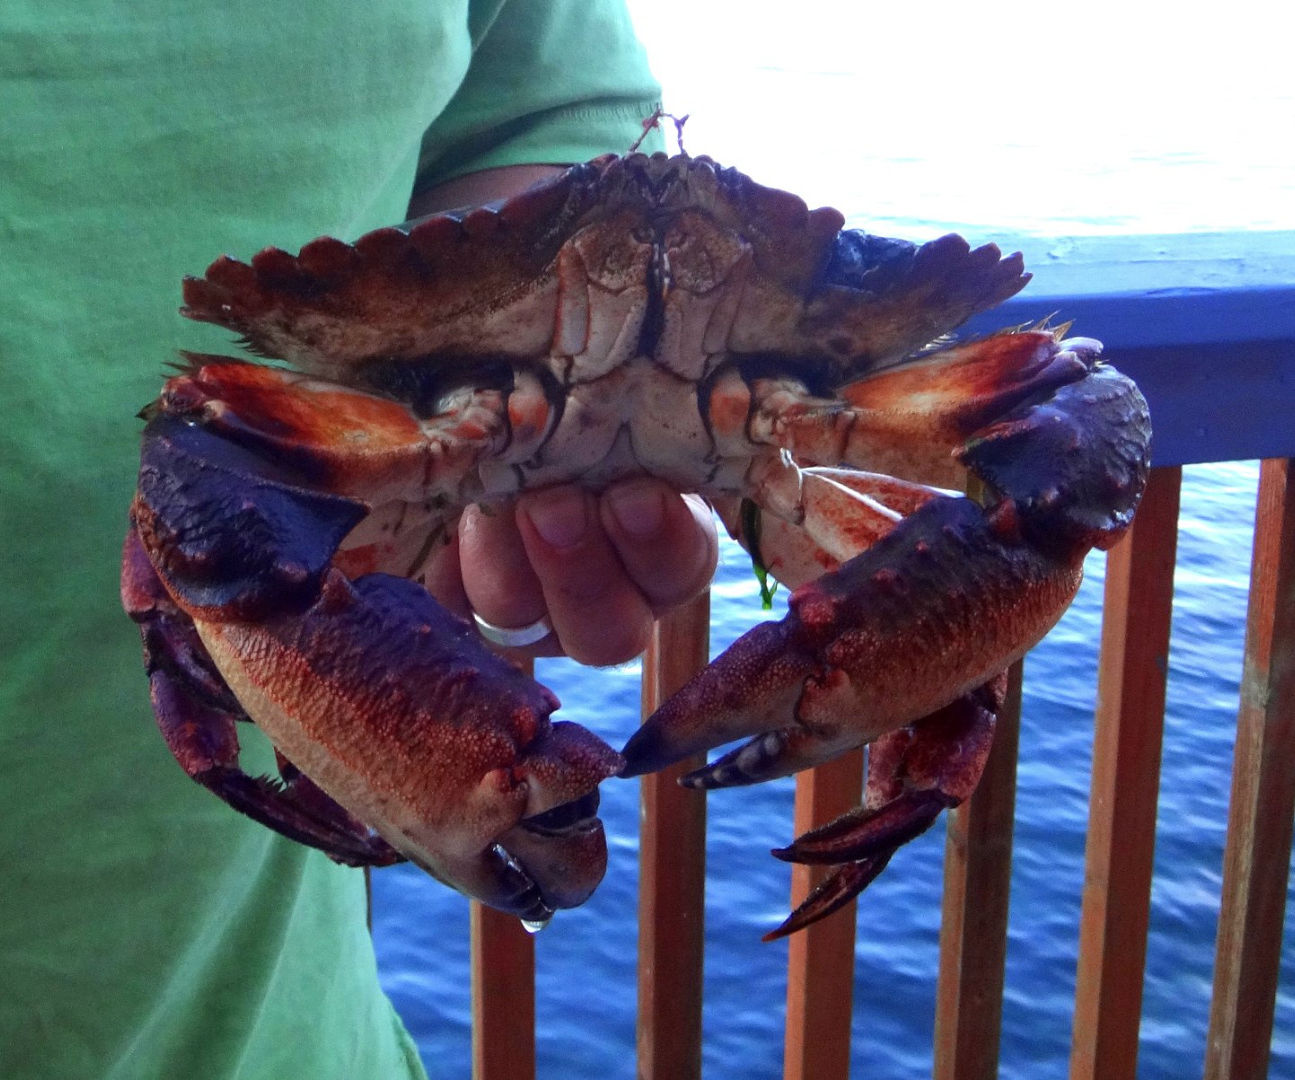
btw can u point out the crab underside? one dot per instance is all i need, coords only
(637, 315)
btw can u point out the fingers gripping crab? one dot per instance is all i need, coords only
(637, 315)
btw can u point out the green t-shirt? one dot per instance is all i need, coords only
(146, 929)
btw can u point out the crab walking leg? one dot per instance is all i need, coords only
(821, 517)
(797, 522)
(394, 708)
(914, 774)
(910, 419)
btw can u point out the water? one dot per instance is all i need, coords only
(914, 124)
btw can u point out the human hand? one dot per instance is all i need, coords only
(613, 561)
(600, 567)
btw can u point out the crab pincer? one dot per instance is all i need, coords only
(400, 734)
(904, 643)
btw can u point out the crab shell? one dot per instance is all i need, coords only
(635, 316)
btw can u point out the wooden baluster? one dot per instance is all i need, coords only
(1256, 863)
(973, 922)
(820, 958)
(672, 868)
(1126, 783)
(973, 925)
(503, 992)
(503, 996)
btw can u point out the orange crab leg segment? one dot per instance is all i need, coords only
(827, 517)
(907, 420)
(343, 440)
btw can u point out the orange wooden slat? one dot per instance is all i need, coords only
(503, 996)
(1125, 787)
(820, 958)
(1256, 863)
(973, 925)
(503, 991)
(672, 868)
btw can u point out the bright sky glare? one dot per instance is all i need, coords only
(1107, 117)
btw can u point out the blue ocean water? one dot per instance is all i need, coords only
(987, 118)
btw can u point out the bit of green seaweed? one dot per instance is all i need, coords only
(768, 586)
(750, 521)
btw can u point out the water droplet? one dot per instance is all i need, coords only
(534, 926)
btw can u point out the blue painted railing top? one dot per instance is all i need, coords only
(1204, 322)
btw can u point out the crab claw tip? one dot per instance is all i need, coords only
(835, 891)
(746, 690)
(647, 751)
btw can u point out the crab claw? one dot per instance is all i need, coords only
(751, 687)
(397, 712)
(888, 650)
(942, 593)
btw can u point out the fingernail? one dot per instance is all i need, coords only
(559, 518)
(639, 510)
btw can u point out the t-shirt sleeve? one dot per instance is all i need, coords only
(552, 82)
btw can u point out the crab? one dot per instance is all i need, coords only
(636, 315)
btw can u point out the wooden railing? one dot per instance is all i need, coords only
(1221, 382)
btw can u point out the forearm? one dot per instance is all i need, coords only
(477, 188)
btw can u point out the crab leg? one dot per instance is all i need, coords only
(197, 715)
(390, 710)
(913, 774)
(944, 594)
(838, 513)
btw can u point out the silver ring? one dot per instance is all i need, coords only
(516, 637)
